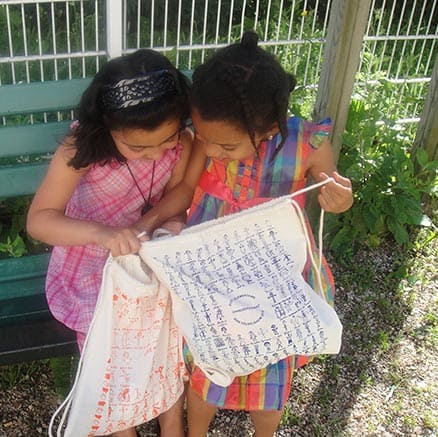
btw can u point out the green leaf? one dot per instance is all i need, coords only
(430, 166)
(374, 241)
(422, 157)
(14, 248)
(370, 217)
(398, 231)
(412, 210)
(342, 239)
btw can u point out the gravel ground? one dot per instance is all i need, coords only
(383, 383)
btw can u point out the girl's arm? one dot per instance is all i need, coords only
(180, 188)
(47, 222)
(334, 196)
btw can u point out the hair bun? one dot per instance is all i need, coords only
(249, 40)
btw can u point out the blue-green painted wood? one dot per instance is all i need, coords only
(25, 98)
(31, 266)
(22, 289)
(35, 340)
(41, 96)
(32, 139)
(188, 74)
(21, 180)
(24, 308)
(23, 276)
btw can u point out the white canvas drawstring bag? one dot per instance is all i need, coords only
(131, 368)
(238, 293)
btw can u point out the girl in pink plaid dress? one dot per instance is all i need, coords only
(128, 148)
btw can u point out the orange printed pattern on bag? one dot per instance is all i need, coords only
(128, 399)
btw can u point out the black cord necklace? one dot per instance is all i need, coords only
(147, 205)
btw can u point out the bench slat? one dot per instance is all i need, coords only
(32, 139)
(22, 288)
(41, 96)
(23, 276)
(25, 308)
(35, 341)
(34, 97)
(18, 181)
(27, 329)
(29, 266)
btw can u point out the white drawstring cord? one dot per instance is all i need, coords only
(312, 187)
(318, 268)
(320, 236)
(142, 234)
(66, 404)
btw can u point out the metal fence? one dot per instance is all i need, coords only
(399, 50)
(42, 40)
(50, 40)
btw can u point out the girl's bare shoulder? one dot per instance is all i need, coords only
(65, 153)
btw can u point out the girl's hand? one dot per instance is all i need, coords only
(119, 241)
(335, 196)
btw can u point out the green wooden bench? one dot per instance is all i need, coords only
(27, 329)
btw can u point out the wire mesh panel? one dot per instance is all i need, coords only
(399, 50)
(50, 40)
(189, 30)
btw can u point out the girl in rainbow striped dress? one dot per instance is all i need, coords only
(247, 151)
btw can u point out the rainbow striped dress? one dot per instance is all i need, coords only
(225, 188)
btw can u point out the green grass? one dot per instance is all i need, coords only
(63, 373)
(60, 370)
(17, 374)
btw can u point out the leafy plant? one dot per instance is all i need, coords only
(388, 190)
(13, 237)
(14, 248)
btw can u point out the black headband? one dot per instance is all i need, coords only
(142, 89)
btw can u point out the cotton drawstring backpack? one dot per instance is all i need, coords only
(131, 368)
(238, 293)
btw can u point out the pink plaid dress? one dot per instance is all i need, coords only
(105, 194)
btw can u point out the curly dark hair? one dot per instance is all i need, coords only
(92, 138)
(244, 85)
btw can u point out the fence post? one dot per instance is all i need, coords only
(427, 129)
(347, 25)
(114, 34)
